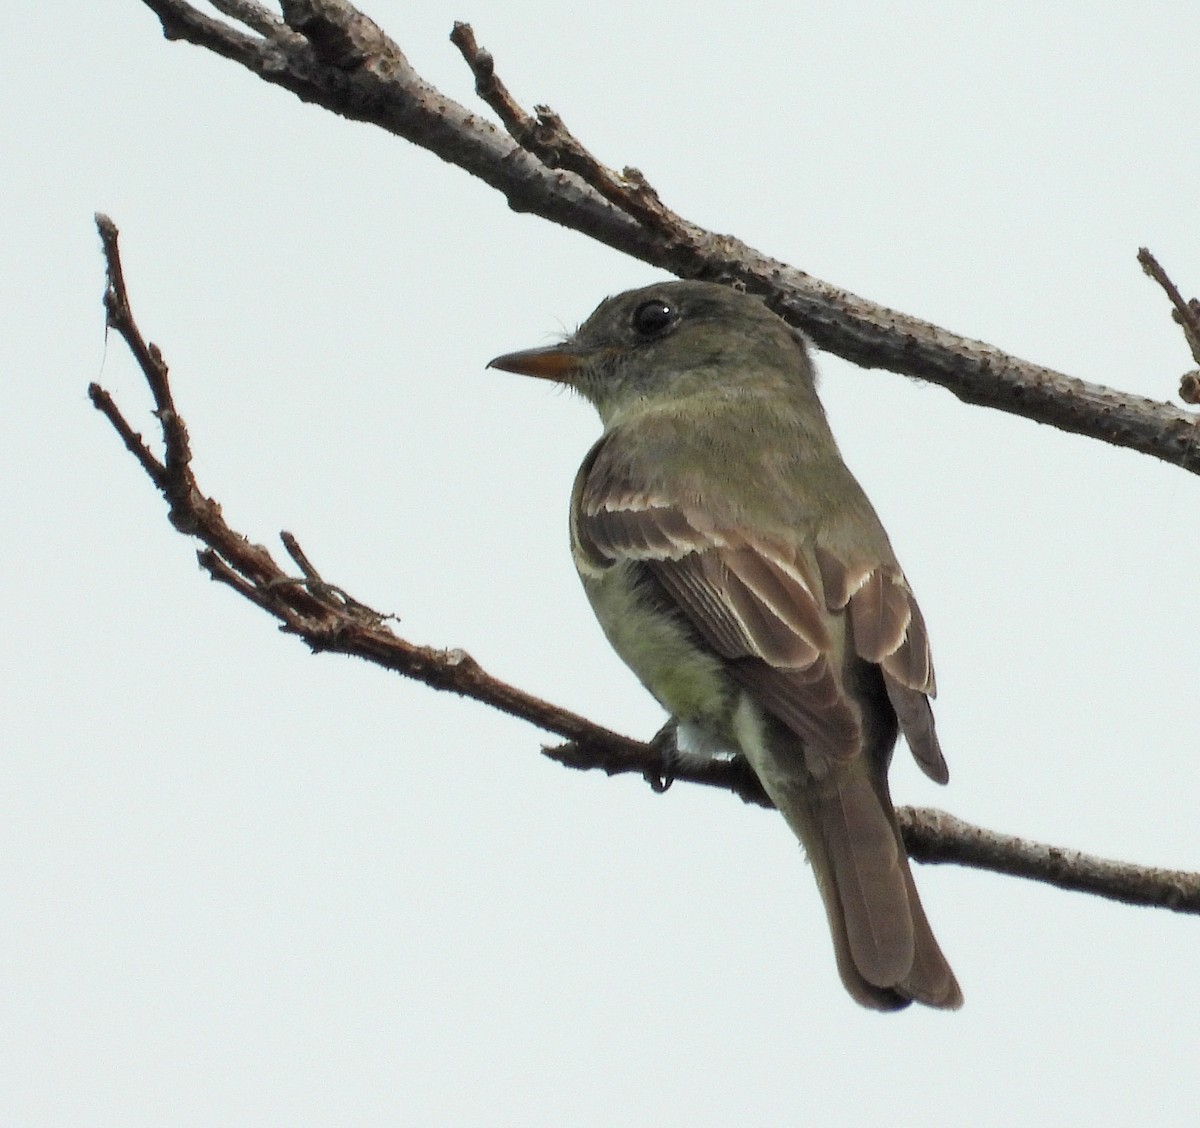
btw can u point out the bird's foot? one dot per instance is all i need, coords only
(666, 743)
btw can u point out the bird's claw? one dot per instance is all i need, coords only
(665, 742)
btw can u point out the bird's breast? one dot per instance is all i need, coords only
(658, 644)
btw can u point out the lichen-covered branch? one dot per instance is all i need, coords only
(329, 53)
(328, 619)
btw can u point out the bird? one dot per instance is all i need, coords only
(737, 567)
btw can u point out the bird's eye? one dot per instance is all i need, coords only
(652, 317)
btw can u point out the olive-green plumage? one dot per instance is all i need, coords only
(737, 567)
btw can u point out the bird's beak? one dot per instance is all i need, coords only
(554, 362)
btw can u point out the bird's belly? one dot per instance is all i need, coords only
(660, 647)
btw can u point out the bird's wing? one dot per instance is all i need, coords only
(889, 630)
(773, 609)
(754, 602)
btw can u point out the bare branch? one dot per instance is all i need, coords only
(331, 54)
(330, 620)
(935, 836)
(321, 613)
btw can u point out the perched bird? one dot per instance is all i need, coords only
(737, 567)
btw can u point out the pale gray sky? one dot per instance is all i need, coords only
(243, 885)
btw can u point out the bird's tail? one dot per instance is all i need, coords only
(886, 952)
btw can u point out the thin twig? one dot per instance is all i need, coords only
(256, 17)
(1187, 314)
(298, 555)
(133, 441)
(489, 86)
(547, 137)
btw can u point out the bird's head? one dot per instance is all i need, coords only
(668, 341)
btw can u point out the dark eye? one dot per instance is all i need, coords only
(652, 317)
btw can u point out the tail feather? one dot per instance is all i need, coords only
(869, 880)
(931, 981)
(885, 949)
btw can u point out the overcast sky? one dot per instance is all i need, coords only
(243, 885)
